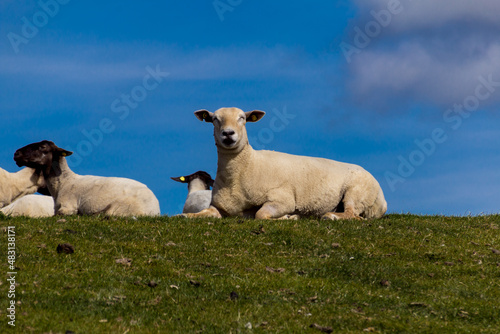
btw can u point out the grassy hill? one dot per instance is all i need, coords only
(401, 273)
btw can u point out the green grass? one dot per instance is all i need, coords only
(398, 274)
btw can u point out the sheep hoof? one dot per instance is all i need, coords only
(340, 215)
(289, 217)
(65, 212)
(330, 216)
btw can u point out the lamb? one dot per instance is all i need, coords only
(199, 193)
(272, 185)
(35, 206)
(16, 185)
(86, 194)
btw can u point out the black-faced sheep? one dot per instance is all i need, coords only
(199, 193)
(86, 194)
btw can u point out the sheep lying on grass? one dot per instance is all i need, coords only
(199, 193)
(16, 185)
(86, 194)
(30, 206)
(16, 190)
(268, 184)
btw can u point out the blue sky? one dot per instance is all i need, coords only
(408, 90)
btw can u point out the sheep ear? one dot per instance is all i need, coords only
(210, 183)
(181, 179)
(63, 152)
(254, 115)
(205, 115)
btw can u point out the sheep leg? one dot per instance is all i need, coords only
(65, 206)
(274, 210)
(65, 211)
(211, 212)
(348, 213)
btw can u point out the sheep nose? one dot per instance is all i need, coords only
(17, 155)
(227, 132)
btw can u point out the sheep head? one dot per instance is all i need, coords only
(40, 155)
(203, 176)
(229, 126)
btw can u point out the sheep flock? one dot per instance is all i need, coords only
(249, 183)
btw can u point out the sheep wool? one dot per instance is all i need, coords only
(34, 206)
(15, 185)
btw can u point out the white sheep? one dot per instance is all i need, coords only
(199, 193)
(34, 206)
(268, 184)
(16, 185)
(86, 194)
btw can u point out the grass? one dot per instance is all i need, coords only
(398, 274)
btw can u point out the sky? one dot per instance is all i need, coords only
(409, 90)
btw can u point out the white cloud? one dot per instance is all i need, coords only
(427, 14)
(64, 70)
(122, 62)
(413, 70)
(432, 52)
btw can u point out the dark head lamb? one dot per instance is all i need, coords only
(86, 194)
(40, 155)
(199, 193)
